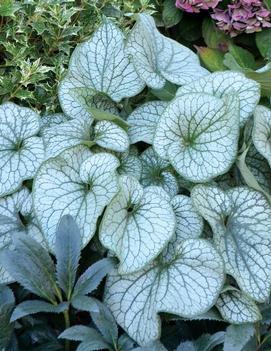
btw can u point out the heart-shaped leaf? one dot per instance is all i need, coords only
(18, 208)
(241, 223)
(157, 58)
(187, 284)
(21, 151)
(156, 171)
(99, 68)
(143, 121)
(130, 164)
(262, 132)
(136, 225)
(220, 84)
(82, 131)
(237, 308)
(77, 183)
(198, 134)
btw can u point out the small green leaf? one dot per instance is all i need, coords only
(31, 265)
(79, 333)
(212, 59)
(101, 115)
(263, 78)
(93, 276)
(167, 93)
(68, 245)
(213, 37)
(263, 41)
(237, 336)
(243, 57)
(37, 306)
(85, 303)
(171, 15)
(106, 324)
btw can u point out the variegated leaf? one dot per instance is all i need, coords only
(99, 68)
(77, 183)
(186, 285)
(198, 134)
(143, 121)
(157, 58)
(156, 171)
(262, 132)
(237, 308)
(221, 84)
(241, 223)
(136, 225)
(21, 150)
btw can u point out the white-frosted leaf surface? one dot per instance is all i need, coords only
(136, 225)
(156, 171)
(18, 208)
(198, 134)
(81, 131)
(76, 183)
(261, 134)
(49, 121)
(143, 121)
(21, 151)
(236, 307)
(158, 58)
(187, 285)
(130, 164)
(189, 224)
(241, 223)
(110, 136)
(259, 167)
(221, 84)
(99, 65)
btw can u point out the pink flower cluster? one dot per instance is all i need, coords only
(242, 16)
(196, 5)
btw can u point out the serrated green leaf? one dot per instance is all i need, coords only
(92, 277)
(7, 302)
(77, 183)
(31, 266)
(111, 72)
(186, 285)
(136, 225)
(80, 333)
(237, 308)
(262, 132)
(241, 222)
(143, 121)
(198, 134)
(156, 171)
(36, 306)
(67, 249)
(237, 336)
(106, 324)
(221, 84)
(157, 58)
(85, 303)
(21, 150)
(18, 209)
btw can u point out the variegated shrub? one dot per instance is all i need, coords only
(177, 190)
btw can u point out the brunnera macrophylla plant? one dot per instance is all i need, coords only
(172, 189)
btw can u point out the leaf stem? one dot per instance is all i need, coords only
(67, 325)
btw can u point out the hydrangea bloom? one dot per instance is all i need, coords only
(196, 5)
(243, 16)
